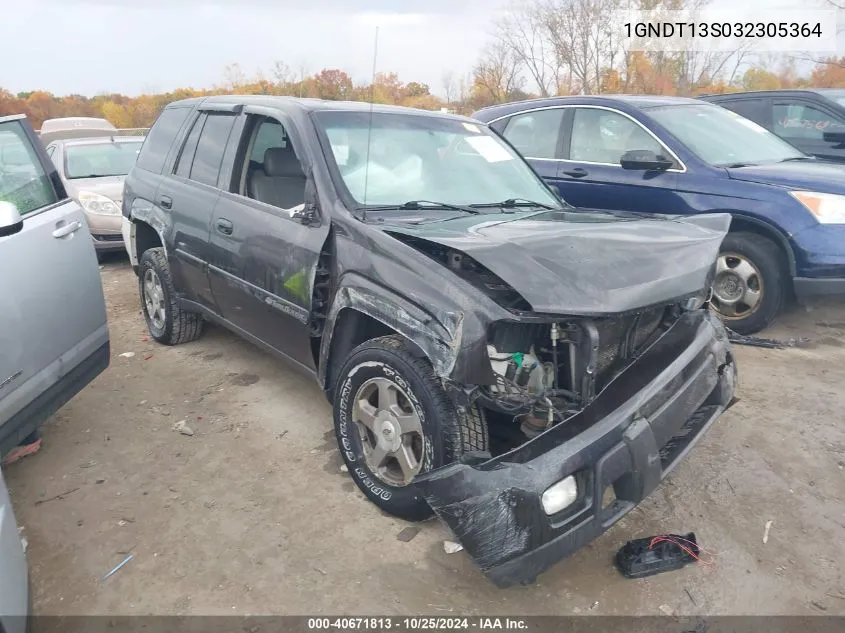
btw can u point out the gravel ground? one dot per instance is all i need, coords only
(252, 513)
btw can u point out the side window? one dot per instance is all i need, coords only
(798, 120)
(186, 156)
(535, 134)
(23, 181)
(160, 138)
(602, 136)
(272, 172)
(757, 110)
(210, 148)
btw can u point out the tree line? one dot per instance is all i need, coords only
(539, 48)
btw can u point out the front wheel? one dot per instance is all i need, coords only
(393, 420)
(750, 285)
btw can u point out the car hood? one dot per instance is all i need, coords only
(823, 176)
(585, 264)
(109, 186)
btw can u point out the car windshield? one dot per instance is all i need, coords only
(90, 160)
(721, 137)
(387, 159)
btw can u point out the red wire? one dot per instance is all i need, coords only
(665, 538)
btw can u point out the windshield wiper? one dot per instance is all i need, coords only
(512, 203)
(420, 205)
(796, 158)
(735, 165)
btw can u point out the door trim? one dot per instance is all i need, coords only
(288, 308)
(682, 170)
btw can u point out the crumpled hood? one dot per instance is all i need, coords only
(815, 175)
(109, 186)
(585, 266)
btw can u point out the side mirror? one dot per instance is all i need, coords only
(10, 219)
(644, 160)
(837, 138)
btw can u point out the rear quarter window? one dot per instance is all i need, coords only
(160, 138)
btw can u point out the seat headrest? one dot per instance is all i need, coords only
(282, 162)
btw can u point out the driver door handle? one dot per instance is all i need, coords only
(66, 229)
(578, 172)
(224, 226)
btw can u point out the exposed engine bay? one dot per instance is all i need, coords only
(548, 371)
(547, 368)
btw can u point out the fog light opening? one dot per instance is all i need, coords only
(560, 496)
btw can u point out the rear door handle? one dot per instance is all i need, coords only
(166, 202)
(576, 173)
(224, 226)
(66, 229)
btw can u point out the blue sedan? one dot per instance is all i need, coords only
(677, 156)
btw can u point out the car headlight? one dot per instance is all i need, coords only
(98, 204)
(828, 208)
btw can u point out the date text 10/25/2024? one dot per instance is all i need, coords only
(421, 623)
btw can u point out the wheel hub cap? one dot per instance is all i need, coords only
(153, 296)
(738, 287)
(390, 430)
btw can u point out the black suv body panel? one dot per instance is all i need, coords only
(285, 278)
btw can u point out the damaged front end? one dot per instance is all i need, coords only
(591, 458)
(605, 374)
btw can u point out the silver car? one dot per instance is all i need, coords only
(93, 170)
(14, 598)
(54, 338)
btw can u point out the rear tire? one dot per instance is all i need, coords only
(167, 322)
(375, 431)
(749, 265)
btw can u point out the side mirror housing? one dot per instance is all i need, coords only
(644, 160)
(10, 219)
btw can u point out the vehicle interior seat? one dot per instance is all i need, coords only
(281, 182)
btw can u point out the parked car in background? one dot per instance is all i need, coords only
(14, 577)
(93, 170)
(492, 355)
(74, 127)
(670, 155)
(811, 120)
(54, 338)
(53, 332)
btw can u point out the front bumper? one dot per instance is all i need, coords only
(627, 439)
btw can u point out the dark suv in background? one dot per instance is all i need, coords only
(526, 370)
(811, 120)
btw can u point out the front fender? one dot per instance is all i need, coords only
(437, 335)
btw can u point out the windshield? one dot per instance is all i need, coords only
(90, 160)
(414, 157)
(721, 137)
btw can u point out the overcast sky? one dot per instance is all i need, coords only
(134, 46)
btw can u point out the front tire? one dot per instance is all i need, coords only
(393, 420)
(751, 282)
(167, 322)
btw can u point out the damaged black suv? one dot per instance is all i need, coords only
(526, 370)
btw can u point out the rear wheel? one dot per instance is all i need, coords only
(393, 420)
(750, 285)
(167, 322)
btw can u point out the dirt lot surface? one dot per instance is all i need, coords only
(252, 514)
